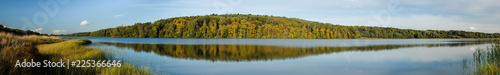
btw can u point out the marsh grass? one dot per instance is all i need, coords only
(74, 50)
(13, 47)
(487, 61)
(41, 48)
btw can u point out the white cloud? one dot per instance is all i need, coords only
(118, 16)
(38, 30)
(84, 23)
(472, 28)
(58, 31)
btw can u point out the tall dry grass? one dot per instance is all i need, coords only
(39, 48)
(487, 61)
(14, 47)
(74, 50)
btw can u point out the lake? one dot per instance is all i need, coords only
(294, 56)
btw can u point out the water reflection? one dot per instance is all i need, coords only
(238, 53)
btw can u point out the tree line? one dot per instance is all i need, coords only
(18, 31)
(264, 26)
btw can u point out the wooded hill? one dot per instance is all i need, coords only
(264, 26)
(18, 31)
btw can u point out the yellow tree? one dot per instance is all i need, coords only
(242, 29)
(235, 29)
(323, 33)
(221, 31)
(267, 30)
(203, 30)
(250, 28)
(180, 25)
(328, 33)
(213, 28)
(290, 33)
(230, 31)
(259, 32)
(303, 32)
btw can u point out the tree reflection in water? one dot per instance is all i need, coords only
(238, 53)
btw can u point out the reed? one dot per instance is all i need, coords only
(487, 62)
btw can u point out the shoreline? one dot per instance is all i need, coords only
(74, 49)
(39, 50)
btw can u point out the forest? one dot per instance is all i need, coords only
(18, 31)
(265, 26)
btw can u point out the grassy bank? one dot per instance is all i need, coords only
(488, 61)
(14, 47)
(41, 48)
(74, 50)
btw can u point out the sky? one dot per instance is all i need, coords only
(71, 16)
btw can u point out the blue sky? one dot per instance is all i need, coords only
(70, 16)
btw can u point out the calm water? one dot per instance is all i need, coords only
(294, 56)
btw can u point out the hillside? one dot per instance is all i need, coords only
(18, 31)
(264, 26)
(73, 34)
